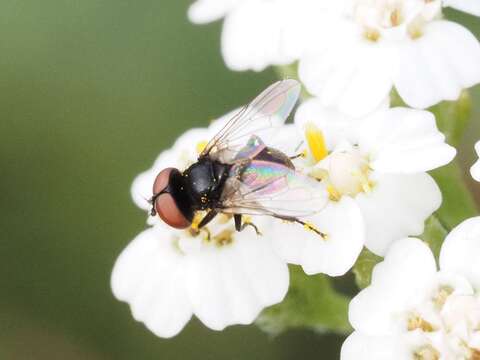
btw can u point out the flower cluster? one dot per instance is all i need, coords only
(370, 162)
(225, 277)
(345, 47)
(411, 310)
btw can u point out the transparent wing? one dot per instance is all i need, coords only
(266, 188)
(267, 112)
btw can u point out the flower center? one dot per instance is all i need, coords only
(456, 320)
(378, 16)
(427, 352)
(219, 231)
(347, 172)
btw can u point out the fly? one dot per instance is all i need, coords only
(238, 174)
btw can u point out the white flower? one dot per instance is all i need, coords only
(374, 45)
(259, 33)
(343, 224)
(380, 161)
(413, 311)
(352, 52)
(221, 276)
(475, 169)
(167, 275)
(340, 221)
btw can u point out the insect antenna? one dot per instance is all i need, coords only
(152, 200)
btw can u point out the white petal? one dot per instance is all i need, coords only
(469, 6)
(402, 140)
(334, 125)
(306, 22)
(204, 11)
(340, 74)
(252, 37)
(438, 65)
(232, 284)
(397, 207)
(334, 256)
(359, 346)
(475, 169)
(398, 283)
(149, 276)
(461, 251)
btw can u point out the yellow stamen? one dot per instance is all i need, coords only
(372, 35)
(416, 322)
(224, 238)
(474, 354)
(316, 141)
(201, 146)
(427, 352)
(333, 193)
(441, 296)
(396, 17)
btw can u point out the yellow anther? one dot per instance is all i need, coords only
(396, 17)
(474, 354)
(372, 35)
(201, 146)
(316, 142)
(416, 322)
(442, 295)
(224, 238)
(427, 352)
(334, 195)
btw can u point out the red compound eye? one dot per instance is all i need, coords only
(165, 204)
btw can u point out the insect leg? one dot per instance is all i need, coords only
(303, 223)
(209, 217)
(238, 222)
(300, 155)
(239, 226)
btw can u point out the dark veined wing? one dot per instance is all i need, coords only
(267, 188)
(262, 116)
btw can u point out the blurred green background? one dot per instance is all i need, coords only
(90, 92)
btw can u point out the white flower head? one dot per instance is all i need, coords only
(375, 45)
(260, 33)
(351, 53)
(413, 311)
(380, 161)
(222, 276)
(475, 169)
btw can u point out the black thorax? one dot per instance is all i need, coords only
(204, 182)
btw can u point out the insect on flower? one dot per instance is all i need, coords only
(238, 174)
